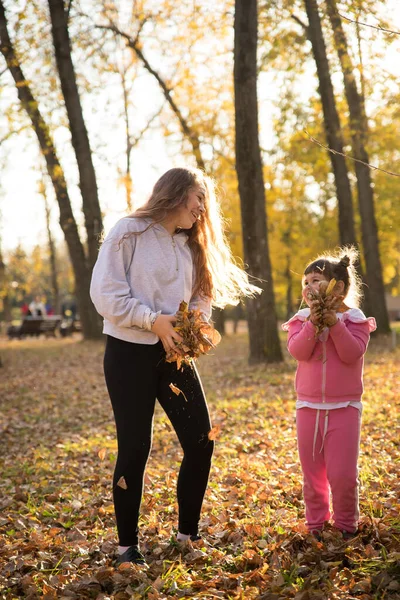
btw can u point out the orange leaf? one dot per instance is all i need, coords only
(214, 432)
(102, 453)
(176, 390)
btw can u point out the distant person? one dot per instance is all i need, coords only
(169, 250)
(329, 347)
(49, 310)
(37, 307)
(25, 310)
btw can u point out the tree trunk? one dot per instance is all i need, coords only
(52, 253)
(218, 317)
(88, 315)
(261, 314)
(129, 145)
(3, 290)
(332, 125)
(334, 135)
(359, 135)
(79, 135)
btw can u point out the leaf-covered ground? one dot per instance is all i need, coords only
(57, 449)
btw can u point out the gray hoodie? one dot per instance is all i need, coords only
(136, 277)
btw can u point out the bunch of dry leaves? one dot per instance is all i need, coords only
(324, 299)
(198, 336)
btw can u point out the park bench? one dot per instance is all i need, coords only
(35, 326)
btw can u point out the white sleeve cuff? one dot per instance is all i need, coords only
(148, 318)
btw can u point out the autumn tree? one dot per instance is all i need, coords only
(79, 134)
(332, 125)
(359, 137)
(134, 43)
(189, 47)
(301, 193)
(29, 272)
(333, 132)
(126, 65)
(261, 315)
(383, 143)
(80, 262)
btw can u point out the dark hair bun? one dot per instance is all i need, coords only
(344, 261)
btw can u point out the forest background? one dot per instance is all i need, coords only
(156, 89)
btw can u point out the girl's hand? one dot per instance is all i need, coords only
(163, 327)
(329, 317)
(315, 312)
(334, 302)
(332, 305)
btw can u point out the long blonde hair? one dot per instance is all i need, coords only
(218, 276)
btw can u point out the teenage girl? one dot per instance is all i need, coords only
(329, 386)
(171, 249)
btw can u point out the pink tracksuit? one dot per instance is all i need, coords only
(329, 389)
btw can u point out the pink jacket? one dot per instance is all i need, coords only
(330, 368)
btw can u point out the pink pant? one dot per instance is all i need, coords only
(334, 467)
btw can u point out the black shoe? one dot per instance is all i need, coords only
(132, 555)
(195, 538)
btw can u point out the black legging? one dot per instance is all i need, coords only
(137, 374)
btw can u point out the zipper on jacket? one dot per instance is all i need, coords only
(323, 370)
(176, 256)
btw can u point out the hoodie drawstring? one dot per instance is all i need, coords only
(316, 431)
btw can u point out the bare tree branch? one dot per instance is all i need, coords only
(135, 140)
(13, 132)
(68, 9)
(67, 219)
(300, 22)
(188, 132)
(368, 25)
(140, 28)
(372, 167)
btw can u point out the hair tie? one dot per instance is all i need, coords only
(344, 261)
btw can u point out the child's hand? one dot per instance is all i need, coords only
(329, 318)
(315, 312)
(332, 304)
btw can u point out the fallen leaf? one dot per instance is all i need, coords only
(214, 432)
(252, 525)
(122, 483)
(176, 390)
(102, 453)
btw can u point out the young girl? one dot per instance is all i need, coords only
(329, 388)
(171, 249)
